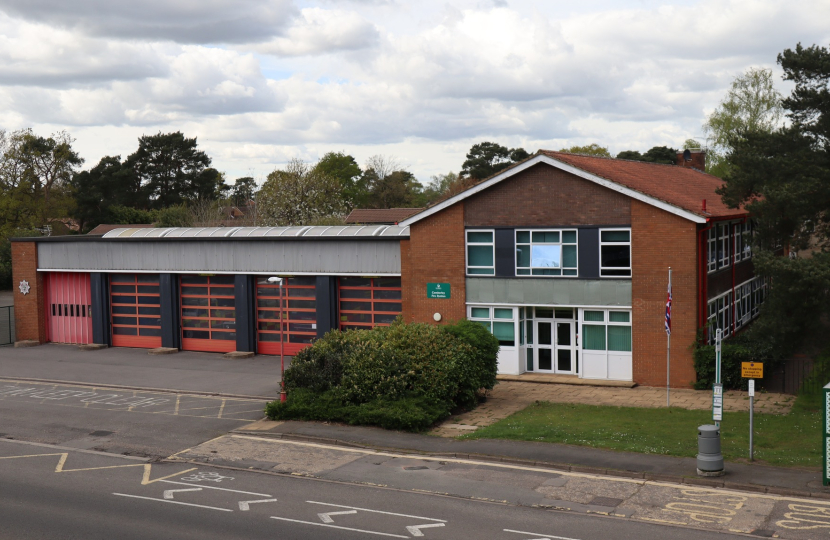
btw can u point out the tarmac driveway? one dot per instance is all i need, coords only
(184, 371)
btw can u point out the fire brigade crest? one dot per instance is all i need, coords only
(24, 287)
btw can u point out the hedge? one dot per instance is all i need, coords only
(404, 376)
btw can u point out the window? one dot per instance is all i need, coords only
(615, 252)
(546, 253)
(480, 253)
(712, 245)
(724, 253)
(606, 330)
(497, 320)
(723, 314)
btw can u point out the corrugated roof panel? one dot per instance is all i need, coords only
(395, 230)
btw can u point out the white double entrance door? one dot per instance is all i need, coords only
(554, 349)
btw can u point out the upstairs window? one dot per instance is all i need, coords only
(546, 253)
(480, 253)
(724, 245)
(615, 252)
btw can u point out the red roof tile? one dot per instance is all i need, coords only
(380, 215)
(678, 186)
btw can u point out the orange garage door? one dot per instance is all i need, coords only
(208, 313)
(135, 310)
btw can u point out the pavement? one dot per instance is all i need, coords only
(185, 371)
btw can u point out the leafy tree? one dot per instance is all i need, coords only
(592, 149)
(177, 215)
(656, 154)
(398, 189)
(172, 170)
(486, 159)
(633, 155)
(6, 254)
(298, 195)
(345, 169)
(107, 185)
(692, 144)
(752, 104)
(782, 176)
(243, 190)
(127, 215)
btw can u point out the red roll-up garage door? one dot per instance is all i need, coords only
(68, 308)
(298, 314)
(135, 310)
(208, 313)
(368, 302)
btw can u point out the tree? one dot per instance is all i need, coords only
(592, 149)
(298, 195)
(486, 159)
(177, 215)
(655, 154)
(398, 189)
(243, 190)
(782, 177)
(752, 104)
(104, 186)
(345, 169)
(172, 170)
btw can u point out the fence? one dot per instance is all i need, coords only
(6, 325)
(791, 376)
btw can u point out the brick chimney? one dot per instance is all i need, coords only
(697, 159)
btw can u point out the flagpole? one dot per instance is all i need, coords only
(668, 345)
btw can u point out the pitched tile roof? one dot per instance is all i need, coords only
(678, 186)
(380, 215)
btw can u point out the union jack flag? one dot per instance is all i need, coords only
(668, 309)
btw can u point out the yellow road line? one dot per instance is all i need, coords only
(148, 467)
(221, 409)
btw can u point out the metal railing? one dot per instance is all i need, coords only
(6, 325)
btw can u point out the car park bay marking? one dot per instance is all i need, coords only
(172, 502)
(377, 511)
(168, 493)
(540, 536)
(326, 517)
(339, 527)
(245, 505)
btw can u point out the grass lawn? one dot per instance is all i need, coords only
(792, 440)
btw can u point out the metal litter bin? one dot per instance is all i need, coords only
(709, 457)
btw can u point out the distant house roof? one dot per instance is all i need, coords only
(104, 229)
(387, 216)
(675, 189)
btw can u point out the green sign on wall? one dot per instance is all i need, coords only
(438, 290)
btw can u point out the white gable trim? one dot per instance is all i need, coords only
(662, 205)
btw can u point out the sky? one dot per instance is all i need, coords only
(260, 82)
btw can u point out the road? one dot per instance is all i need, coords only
(54, 493)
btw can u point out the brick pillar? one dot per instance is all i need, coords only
(29, 310)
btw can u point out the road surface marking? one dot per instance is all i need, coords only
(326, 517)
(221, 409)
(540, 536)
(339, 527)
(31, 455)
(609, 478)
(168, 493)
(209, 487)
(415, 530)
(806, 517)
(146, 478)
(376, 511)
(245, 505)
(178, 399)
(173, 502)
(64, 457)
(206, 476)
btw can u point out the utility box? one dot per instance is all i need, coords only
(709, 457)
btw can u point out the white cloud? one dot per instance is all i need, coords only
(320, 31)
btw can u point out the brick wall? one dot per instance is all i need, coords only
(660, 240)
(434, 253)
(29, 314)
(543, 196)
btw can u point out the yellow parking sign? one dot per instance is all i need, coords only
(752, 370)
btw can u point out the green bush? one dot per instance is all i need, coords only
(404, 376)
(746, 347)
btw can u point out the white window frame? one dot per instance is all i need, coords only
(745, 306)
(712, 249)
(724, 245)
(630, 254)
(737, 242)
(491, 318)
(561, 245)
(467, 244)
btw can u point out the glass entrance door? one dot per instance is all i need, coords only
(554, 341)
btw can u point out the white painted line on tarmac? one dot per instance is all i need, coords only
(245, 505)
(338, 527)
(220, 489)
(326, 516)
(415, 530)
(540, 536)
(377, 511)
(173, 502)
(168, 493)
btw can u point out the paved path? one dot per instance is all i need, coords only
(509, 397)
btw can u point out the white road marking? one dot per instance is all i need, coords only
(415, 530)
(244, 505)
(326, 518)
(168, 494)
(218, 488)
(541, 536)
(377, 511)
(338, 527)
(172, 502)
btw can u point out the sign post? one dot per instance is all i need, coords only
(717, 388)
(752, 371)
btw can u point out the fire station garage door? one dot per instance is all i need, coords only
(68, 308)
(135, 310)
(208, 313)
(298, 314)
